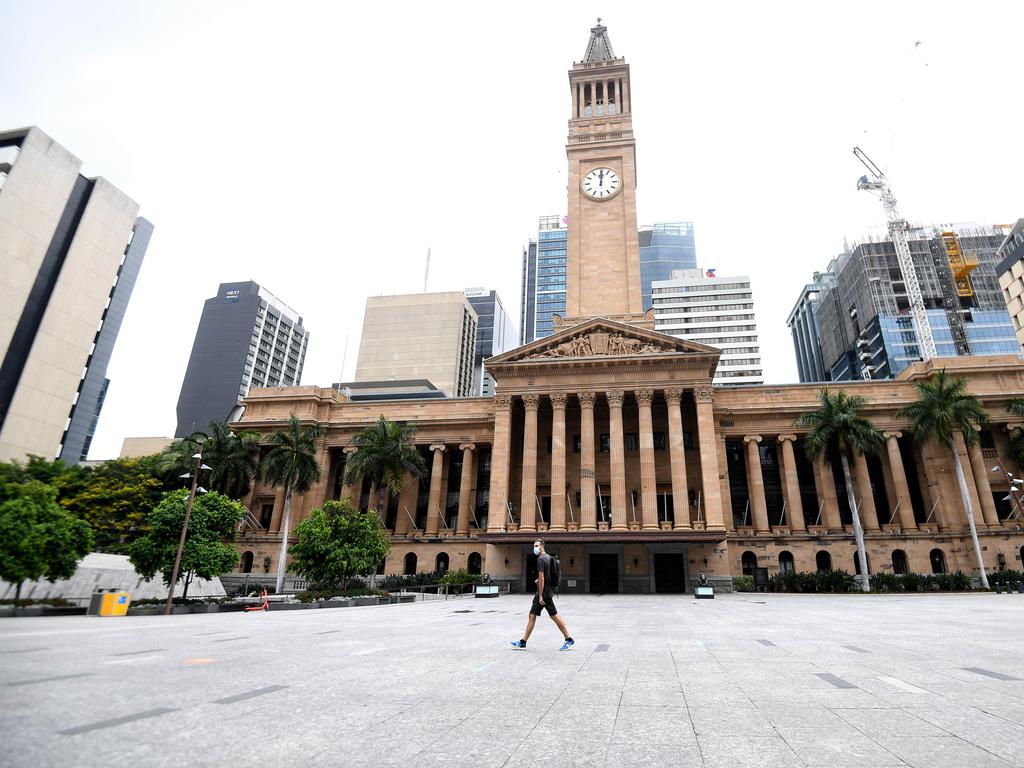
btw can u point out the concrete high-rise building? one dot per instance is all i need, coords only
(715, 311)
(71, 249)
(1010, 271)
(867, 331)
(664, 248)
(805, 325)
(247, 337)
(495, 333)
(428, 336)
(544, 265)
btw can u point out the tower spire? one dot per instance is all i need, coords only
(600, 47)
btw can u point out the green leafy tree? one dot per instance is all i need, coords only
(291, 465)
(233, 458)
(943, 408)
(214, 520)
(337, 542)
(114, 498)
(37, 537)
(385, 453)
(176, 460)
(838, 427)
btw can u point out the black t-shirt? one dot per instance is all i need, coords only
(544, 567)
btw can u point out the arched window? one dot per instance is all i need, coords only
(823, 560)
(786, 562)
(410, 564)
(899, 561)
(247, 562)
(749, 563)
(856, 562)
(475, 563)
(938, 559)
(441, 562)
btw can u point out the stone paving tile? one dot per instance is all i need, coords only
(838, 748)
(630, 754)
(942, 752)
(889, 722)
(746, 751)
(739, 721)
(798, 716)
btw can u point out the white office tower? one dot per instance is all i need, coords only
(698, 305)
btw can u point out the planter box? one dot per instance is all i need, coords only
(145, 610)
(67, 610)
(366, 601)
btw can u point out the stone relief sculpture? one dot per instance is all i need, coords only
(600, 344)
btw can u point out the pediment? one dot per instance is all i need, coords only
(601, 339)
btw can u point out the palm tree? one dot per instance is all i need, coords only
(176, 459)
(385, 453)
(234, 458)
(943, 408)
(1016, 408)
(837, 427)
(291, 465)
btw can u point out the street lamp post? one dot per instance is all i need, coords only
(168, 609)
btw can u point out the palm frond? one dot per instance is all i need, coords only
(837, 426)
(944, 408)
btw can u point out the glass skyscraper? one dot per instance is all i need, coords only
(664, 248)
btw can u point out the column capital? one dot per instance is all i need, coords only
(503, 401)
(704, 394)
(467, 446)
(674, 395)
(349, 449)
(531, 402)
(888, 435)
(439, 447)
(558, 400)
(644, 396)
(784, 438)
(746, 439)
(586, 399)
(615, 397)
(1012, 426)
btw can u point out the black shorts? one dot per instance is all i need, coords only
(549, 604)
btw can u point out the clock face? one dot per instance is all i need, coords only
(601, 183)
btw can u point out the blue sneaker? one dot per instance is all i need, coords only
(519, 644)
(567, 645)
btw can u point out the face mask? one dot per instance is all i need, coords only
(536, 550)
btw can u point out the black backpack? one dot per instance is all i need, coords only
(556, 572)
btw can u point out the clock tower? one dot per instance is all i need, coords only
(603, 274)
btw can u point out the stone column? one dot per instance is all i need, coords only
(528, 494)
(899, 482)
(588, 503)
(558, 461)
(865, 496)
(988, 504)
(677, 455)
(465, 489)
(755, 485)
(617, 459)
(826, 484)
(648, 479)
(791, 485)
(347, 490)
(407, 505)
(434, 500)
(711, 490)
(500, 455)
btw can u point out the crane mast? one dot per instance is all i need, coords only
(879, 184)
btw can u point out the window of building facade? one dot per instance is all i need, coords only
(475, 564)
(786, 564)
(899, 561)
(441, 562)
(659, 441)
(823, 561)
(266, 514)
(632, 442)
(246, 566)
(749, 562)
(938, 560)
(410, 564)
(856, 563)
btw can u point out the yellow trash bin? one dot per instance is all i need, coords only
(115, 603)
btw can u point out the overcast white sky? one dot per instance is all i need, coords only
(320, 148)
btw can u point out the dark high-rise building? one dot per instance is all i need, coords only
(867, 331)
(247, 337)
(805, 325)
(664, 248)
(495, 333)
(71, 248)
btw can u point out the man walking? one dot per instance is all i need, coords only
(544, 599)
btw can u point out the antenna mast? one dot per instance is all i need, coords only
(426, 272)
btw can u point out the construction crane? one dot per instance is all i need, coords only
(879, 184)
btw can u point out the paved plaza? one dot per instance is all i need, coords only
(765, 680)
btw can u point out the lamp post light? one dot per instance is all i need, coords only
(169, 608)
(1014, 493)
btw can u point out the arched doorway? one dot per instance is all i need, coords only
(475, 563)
(441, 562)
(246, 562)
(899, 562)
(938, 558)
(410, 564)
(749, 563)
(786, 564)
(823, 560)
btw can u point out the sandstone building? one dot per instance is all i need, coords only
(610, 440)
